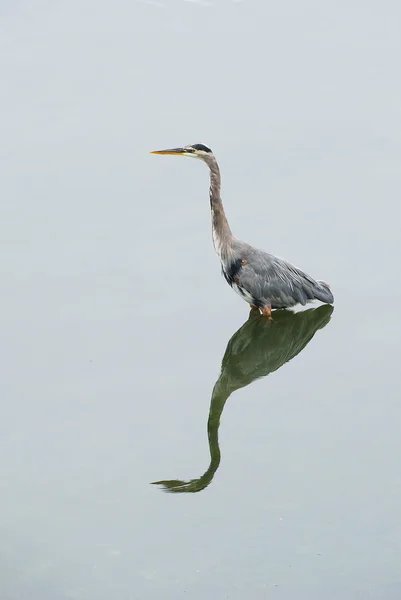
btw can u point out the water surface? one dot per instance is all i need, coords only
(127, 360)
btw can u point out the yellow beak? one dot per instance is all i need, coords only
(173, 151)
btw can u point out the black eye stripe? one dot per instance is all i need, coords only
(201, 147)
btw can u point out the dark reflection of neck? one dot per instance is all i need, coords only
(257, 349)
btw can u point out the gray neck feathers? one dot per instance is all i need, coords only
(222, 235)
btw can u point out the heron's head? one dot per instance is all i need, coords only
(194, 151)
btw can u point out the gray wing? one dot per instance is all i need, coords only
(274, 281)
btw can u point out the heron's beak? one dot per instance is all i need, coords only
(173, 151)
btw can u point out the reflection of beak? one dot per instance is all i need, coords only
(173, 151)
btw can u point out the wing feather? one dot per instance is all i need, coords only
(275, 281)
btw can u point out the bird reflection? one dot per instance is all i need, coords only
(257, 349)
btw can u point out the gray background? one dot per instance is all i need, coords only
(115, 317)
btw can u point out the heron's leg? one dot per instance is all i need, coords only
(267, 312)
(254, 307)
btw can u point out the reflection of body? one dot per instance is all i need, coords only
(257, 349)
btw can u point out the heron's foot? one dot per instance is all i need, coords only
(267, 312)
(254, 307)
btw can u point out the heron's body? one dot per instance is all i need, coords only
(261, 279)
(265, 281)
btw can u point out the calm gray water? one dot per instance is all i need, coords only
(127, 360)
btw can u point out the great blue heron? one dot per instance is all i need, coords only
(261, 279)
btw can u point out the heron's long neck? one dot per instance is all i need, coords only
(222, 235)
